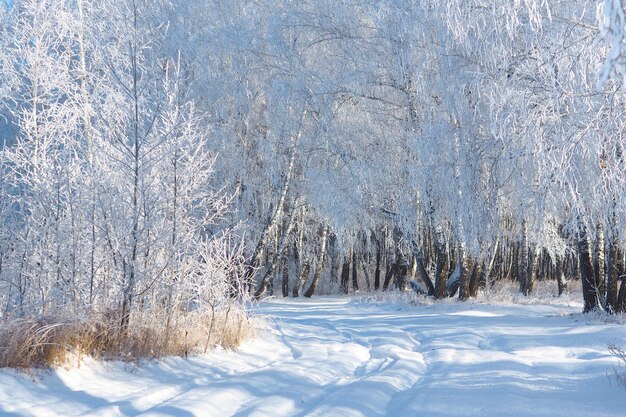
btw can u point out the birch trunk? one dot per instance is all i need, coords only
(600, 276)
(523, 266)
(280, 207)
(280, 252)
(320, 265)
(613, 275)
(590, 293)
(302, 278)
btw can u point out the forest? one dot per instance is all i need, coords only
(165, 162)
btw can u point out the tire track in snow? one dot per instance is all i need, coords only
(393, 363)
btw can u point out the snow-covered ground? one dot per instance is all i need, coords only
(341, 357)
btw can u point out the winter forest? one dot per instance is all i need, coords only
(166, 164)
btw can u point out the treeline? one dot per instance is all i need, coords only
(173, 157)
(384, 260)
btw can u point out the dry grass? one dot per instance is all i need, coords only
(618, 372)
(59, 341)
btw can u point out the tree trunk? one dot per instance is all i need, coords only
(388, 275)
(280, 252)
(515, 264)
(590, 293)
(302, 278)
(467, 266)
(320, 265)
(278, 212)
(355, 282)
(401, 271)
(285, 275)
(136, 154)
(421, 270)
(126, 308)
(613, 275)
(524, 264)
(531, 274)
(378, 261)
(441, 272)
(600, 276)
(335, 260)
(474, 280)
(345, 272)
(560, 275)
(366, 274)
(466, 270)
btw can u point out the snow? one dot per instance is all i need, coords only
(335, 356)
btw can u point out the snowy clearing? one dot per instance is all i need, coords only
(341, 357)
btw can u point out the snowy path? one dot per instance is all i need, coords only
(335, 357)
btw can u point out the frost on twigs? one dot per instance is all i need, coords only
(612, 34)
(619, 371)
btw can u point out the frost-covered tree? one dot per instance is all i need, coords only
(108, 204)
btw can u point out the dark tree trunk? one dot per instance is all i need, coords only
(474, 280)
(524, 262)
(378, 261)
(366, 275)
(421, 270)
(515, 265)
(531, 274)
(355, 282)
(613, 276)
(335, 261)
(599, 274)
(441, 274)
(388, 275)
(345, 273)
(560, 275)
(590, 293)
(620, 268)
(285, 275)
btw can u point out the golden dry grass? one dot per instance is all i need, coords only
(56, 340)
